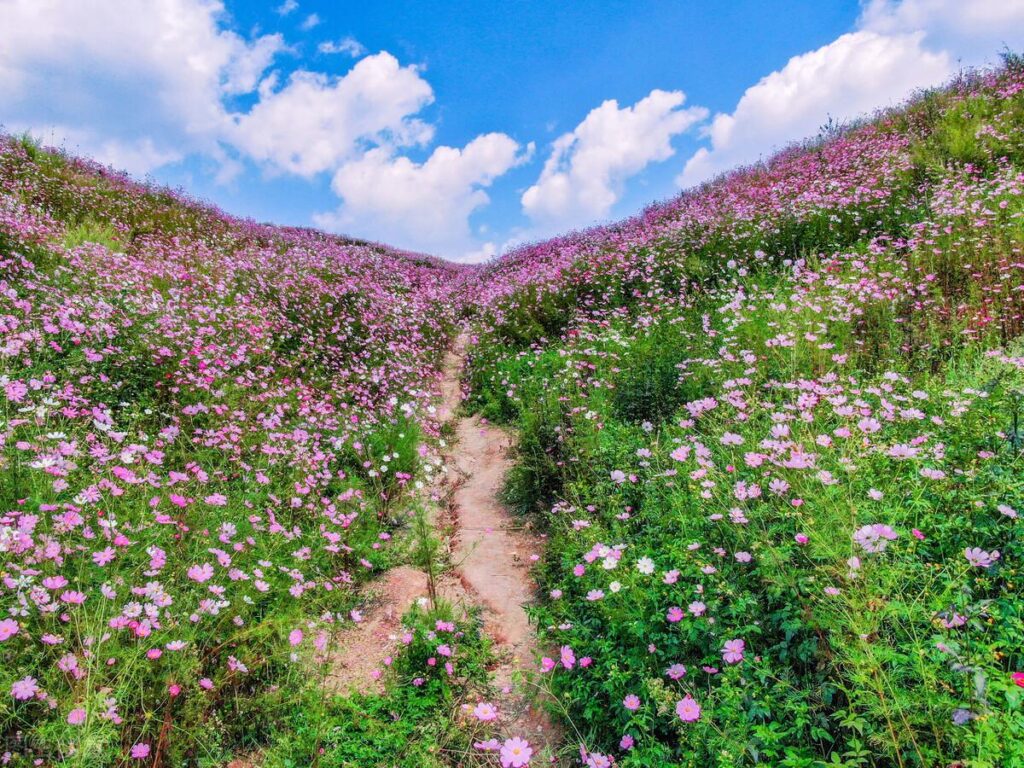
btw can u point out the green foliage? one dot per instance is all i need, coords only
(409, 725)
(855, 658)
(92, 231)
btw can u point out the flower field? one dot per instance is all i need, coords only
(773, 428)
(773, 431)
(206, 426)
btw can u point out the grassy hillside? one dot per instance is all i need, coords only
(773, 429)
(206, 427)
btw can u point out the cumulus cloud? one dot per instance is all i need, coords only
(972, 31)
(313, 20)
(137, 79)
(898, 46)
(589, 166)
(140, 84)
(424, 206)
(348, 45)
(854, 74)
(315, 122)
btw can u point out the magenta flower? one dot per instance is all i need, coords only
(140, 751)
(631, 702)
(568, 658)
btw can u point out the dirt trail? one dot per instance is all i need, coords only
(491, 554)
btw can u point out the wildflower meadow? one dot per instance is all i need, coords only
(769, 437)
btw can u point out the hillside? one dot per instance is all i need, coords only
(769, 432)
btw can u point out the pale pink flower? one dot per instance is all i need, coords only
(687, 709)
(515, 753)
(76, 716)
(732, 651)
(25, 688)
(485, 712)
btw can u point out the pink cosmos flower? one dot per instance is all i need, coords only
(24, 689)
(485, 712)
(140, 751)
(515, 753)
(200, 573)
(567, 657)
(732, 651)
(8, 629)
(676, 671)
(979, 558)
(16, 391)
(675, 614)
(76, 716)
(874, 538)
(687, 709)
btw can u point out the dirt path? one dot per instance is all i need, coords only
(491, 553)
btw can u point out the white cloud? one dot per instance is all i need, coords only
(423, 206)
(898, 46)
(309, 22)
(588, 167)
(142, 82)
(347, 45)
(316, 122)
(973, 31)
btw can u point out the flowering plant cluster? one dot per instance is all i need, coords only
(773, 428)
(204, 426)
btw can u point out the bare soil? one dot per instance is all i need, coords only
(491, 553)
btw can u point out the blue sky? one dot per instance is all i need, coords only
(461, 128)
